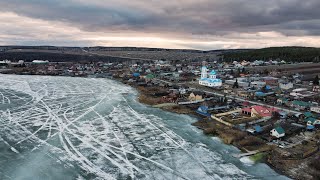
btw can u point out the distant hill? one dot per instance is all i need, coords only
(99, 53)
(295, 54)
(102, 48)
(97, 48)
(57, 57)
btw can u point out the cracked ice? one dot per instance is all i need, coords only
(93, 127)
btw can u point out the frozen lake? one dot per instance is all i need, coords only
(81, 128)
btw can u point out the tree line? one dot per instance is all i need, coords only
(56, 57)
(290, 54)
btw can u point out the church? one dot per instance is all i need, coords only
(210, 79)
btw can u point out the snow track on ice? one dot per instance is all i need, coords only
(89, 123)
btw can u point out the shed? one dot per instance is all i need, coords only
(203, 110)
(136, 74)
(257, 128)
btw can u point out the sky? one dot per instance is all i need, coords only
(182, 24)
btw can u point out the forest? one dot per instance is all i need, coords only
(290, 54)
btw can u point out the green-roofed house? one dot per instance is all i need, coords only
(310, 120)
(149, 77)
(300, 104)
(308, 114)
(277, 132)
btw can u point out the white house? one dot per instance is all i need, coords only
(286, 86)
(301, 93)
(277, 132)
(316, 89)
(210, 81)
(40, 62)
(315, 109)
(258, 84)
(182, 90)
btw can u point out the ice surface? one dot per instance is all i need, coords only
(81, 128)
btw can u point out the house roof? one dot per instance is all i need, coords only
(136, 74)
(259, 93)
(310, 127)
(308, 114)
(264, 111)
(301, 103)
(203, 109)
(245, 103)
(247, 109)
(283, 99)
(311, 119)
(150, 76)
(258, 128)
(280, 130)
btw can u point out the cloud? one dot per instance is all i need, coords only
(201, 24)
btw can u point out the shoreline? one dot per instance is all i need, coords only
(232, 137)
(208, 127)
(228, 135)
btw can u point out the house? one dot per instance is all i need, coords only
(308, 115)
(259, 111)
(286, 86)
(203, 110)
(40, 62)
(195, 97)
(277, 132)
(283, 114)
(258, 84)
(136, 75)
(255, 129)
(244, 94)
(301, 93)
(262, 111)
(315, 109)
(300, 104)
(282, 101)
(182, 90)
(245, 104)
(311, 121)
(270, 80)
(149, 77)
(316, 89)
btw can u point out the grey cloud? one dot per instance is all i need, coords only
(197, 17)
(202, 20)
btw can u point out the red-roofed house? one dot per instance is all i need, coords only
(261, 111)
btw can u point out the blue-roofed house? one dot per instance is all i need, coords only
(260, 94)
(203, 110)
(136, 74)
(310, 127)
(257, 128)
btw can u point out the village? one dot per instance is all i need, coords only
(268, 109)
